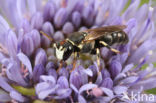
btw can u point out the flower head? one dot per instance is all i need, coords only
(29, 67)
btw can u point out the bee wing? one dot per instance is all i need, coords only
(98, 32)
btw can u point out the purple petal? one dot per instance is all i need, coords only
(58, 36)
(105, 53)
(44, 89)
(154, 13)
(27, 45)
(50, 51)
(63, 82)
(120, 89)
(88, 15)
(5, 61)
(83, 75)
(4, 97)
(25, 25)
(115, 9)
(3, 23)
(102, 14)
(63, 93)
(81, 99)
(71, 5)
(4, 85)
(108, 92)
(49, 10)
(127, 68)
(51, 65)
(141, 74)
(83, 28)
(68, 28)
(12, 43)
(116, 68)
(25, 60)
(117, 21)
(107, 83)
(76, 19)
(37, 20)
(99, 79)
(142, 51)
(88, 72)
(131, 10)
(145, 32)
(130, 25)
(36, 38)
(12, 12)
(20, 39)
(124, 57)
(60, 17)
(97, 4)
(142, 13)
(94, 70)
(13, 73)
(4, 27)
(87, 87)
(48, 28)
(41, 57)
(74, 88)
(64, 72)
(119, 77)
(146, 84)
(37, 72)
(42, 86)
(105, 99)
(105, 73)
(49, 79)
(94, 26)
(42, 95)
(75, 79)
(53, 73)
(129, 80)
(38, 4)
(17, 96)
(80, 5)
(31, 6)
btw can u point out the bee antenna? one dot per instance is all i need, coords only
(50, 38)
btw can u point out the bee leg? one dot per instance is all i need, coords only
(107, 46)
(60, 66)
(98, 58)
(74, 62)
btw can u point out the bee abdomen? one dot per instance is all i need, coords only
(119, 37)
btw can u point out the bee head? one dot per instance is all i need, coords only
(64, 51)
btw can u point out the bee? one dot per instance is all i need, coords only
(90, 41)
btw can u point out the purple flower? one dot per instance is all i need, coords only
(29, 68)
